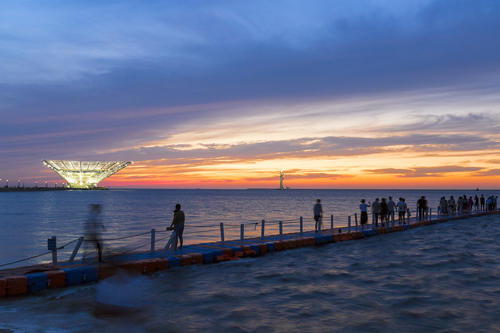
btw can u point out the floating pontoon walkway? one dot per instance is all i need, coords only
(33, 279)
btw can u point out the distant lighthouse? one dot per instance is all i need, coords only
(282, 177)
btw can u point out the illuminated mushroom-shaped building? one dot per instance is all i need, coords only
(84, 174)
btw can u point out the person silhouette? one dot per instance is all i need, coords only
(177, 225)
(93, 227)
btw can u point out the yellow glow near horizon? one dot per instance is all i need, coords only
(329, 144)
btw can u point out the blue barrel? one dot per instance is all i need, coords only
(368, 233)
(90, 274)
(173, 261)
(209, 257)
(74, 276)
(37, 282)
(270, 247)
(256, 248)
(323, 239)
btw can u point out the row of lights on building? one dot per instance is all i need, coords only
(37, 185)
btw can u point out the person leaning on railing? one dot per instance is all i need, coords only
(177, 225)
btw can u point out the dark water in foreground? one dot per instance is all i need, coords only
(439, 278)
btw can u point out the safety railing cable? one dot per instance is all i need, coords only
(37, 255)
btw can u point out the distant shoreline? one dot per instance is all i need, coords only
(47, 189)
(302, 189)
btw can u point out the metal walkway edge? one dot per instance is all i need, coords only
(33, 279)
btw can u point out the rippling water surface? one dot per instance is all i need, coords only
(28, 219)
(443, 278)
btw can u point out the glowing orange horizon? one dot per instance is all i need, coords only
(344, 182)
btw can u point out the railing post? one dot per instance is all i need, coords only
(356, 220)
(75, 250)
(262, 228)
(222, 232)
(52, 246)
(153, 236)
(281, 229)
(349, 223)
(331, 221)
(242, 232)
(301, 225)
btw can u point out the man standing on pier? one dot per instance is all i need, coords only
(177, 225)
(363, 207)
(318, 214)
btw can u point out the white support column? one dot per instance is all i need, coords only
(75, 250)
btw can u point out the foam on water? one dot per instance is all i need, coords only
(442, 278)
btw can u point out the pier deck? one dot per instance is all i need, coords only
(33, 279)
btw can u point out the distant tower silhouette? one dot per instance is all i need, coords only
(282, 177)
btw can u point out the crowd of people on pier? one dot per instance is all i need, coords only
(384, 210)
(463, 205)
(383, 213)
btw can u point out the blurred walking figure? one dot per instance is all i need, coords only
(177, 225)
(482, 201)
(93, 228)
(318, 214)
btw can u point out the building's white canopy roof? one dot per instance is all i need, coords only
(85, 174)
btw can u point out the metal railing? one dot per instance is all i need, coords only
(222, 231)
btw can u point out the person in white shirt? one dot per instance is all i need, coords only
(363, 207)
(402, 210)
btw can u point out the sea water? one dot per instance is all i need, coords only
(442, 277)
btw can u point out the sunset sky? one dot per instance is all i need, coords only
(225, 94)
